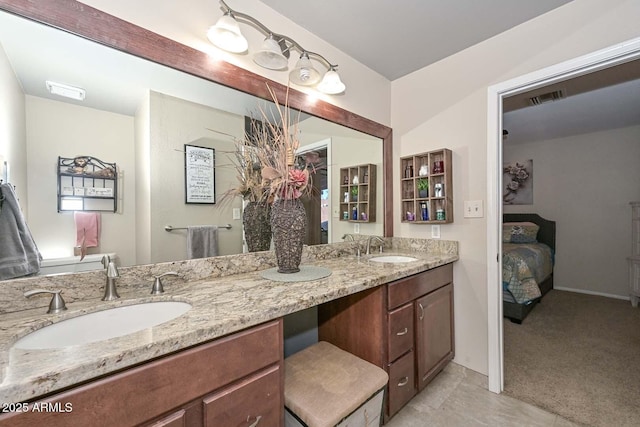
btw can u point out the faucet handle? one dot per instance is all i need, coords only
(57, 303)
(157, 287)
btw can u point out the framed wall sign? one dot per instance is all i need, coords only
(199, 174)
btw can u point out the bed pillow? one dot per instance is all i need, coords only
(519, 232)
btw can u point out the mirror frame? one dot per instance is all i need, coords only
(92, 24)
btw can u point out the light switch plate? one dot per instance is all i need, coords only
(435, 231)
(236, 213)
(473, 209)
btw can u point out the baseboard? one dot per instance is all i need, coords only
(600, 294)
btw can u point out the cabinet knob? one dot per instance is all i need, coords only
(403, 332)
(403, 382)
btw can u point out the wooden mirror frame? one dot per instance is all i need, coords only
(92, 24)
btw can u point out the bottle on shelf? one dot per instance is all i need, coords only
(408, 171)
(424, 212)
(354, 216)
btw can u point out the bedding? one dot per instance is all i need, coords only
(524, 267)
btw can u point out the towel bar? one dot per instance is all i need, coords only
(171, 228)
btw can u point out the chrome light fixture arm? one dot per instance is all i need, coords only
(286, 43)
(275, 51)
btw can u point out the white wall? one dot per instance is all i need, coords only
(60, 129)
(175, 122)
(445, 105)
(142, 125)
(585, 184)
(13, 137)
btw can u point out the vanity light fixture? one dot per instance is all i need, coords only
(65, 90)
(275, 51)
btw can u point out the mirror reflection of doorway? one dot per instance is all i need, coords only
(317, 204)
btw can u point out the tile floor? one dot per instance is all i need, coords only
(459, 397)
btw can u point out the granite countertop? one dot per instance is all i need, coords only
(220, 306)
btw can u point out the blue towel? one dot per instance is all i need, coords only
(202, 241)
(19, 255)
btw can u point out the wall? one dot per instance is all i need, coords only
(13, 138)
(445, 105)
(585, 184)
(60, 129)
(142, 129)
(175, 122)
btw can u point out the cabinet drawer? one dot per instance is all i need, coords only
(412, 287)
(255, 401)
(400, 331)
(402, 382)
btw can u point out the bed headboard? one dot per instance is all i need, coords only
(547, 232)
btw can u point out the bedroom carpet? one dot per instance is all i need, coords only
(577, 356)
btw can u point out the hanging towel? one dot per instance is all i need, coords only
(87, 228)
(202, 241)
(19, 255)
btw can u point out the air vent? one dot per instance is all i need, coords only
(547, 97)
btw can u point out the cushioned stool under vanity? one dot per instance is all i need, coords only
(325, 386)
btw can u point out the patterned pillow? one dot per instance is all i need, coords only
(519, 232)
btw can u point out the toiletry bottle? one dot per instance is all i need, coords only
(424, 212)
(346, 197)
(440, 214)
(355, 213)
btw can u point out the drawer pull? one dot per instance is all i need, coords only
(258, 418)
(421, 311)
(403, 332)
(403, 382)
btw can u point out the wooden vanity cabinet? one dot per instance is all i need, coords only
(405, 327)
(236, 381)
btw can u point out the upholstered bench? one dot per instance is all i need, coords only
(325, 386)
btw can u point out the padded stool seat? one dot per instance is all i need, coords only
(325, 385)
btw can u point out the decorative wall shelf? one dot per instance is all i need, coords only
(86, 183)
(360, 196)
(426, 188)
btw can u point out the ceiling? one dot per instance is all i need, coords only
(395, 38)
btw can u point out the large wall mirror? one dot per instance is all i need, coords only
(147, 96)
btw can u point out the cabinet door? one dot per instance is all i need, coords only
(434, 333)
(255, 401)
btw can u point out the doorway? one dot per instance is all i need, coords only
(317, 205)
(596, 61)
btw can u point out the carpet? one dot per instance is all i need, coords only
(577, 356)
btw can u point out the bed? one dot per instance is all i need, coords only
(527, 263)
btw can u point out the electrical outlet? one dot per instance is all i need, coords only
(435, 231)
(473, 209)
(356, 228)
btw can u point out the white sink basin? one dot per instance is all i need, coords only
(103, 325)
(393, 258)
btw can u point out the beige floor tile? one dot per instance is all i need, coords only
(459, 397)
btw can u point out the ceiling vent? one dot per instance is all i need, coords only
(547, 97)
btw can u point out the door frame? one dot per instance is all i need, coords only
(604, 58)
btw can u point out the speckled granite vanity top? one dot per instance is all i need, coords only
(227, 294)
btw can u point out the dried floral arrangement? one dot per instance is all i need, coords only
(284, 174)
(265, 160)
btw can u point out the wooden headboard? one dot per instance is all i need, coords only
(547, 232)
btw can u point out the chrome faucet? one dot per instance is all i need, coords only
(110, 290)
(376, 238)
(157, 287)
(57, 303)
(348, 237)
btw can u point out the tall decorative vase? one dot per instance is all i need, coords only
(257, 229)
(289, 227)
